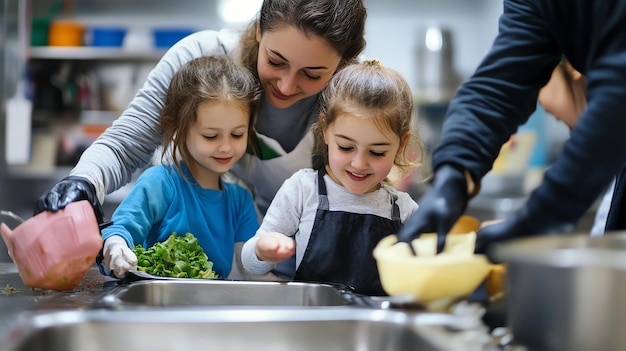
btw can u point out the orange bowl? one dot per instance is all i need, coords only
(65, 33)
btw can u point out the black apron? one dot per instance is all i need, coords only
(341, 244)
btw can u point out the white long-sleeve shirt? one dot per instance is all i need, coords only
(293, 212)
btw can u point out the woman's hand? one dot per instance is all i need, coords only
(274, 247)
(66, 191)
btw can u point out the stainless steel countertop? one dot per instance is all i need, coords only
(17, 300)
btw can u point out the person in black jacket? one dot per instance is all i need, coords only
(501, 95)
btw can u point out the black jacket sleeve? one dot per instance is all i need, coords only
(501, 95)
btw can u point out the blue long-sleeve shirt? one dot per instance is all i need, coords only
(502, 93)
(162, 202)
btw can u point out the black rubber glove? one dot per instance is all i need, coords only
(67, 190)
(526, 222)
(439, 208)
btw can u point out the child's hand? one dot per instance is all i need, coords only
(274, 247)
(118, 257)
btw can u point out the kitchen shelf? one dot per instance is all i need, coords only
(30, 172)
(93, 53)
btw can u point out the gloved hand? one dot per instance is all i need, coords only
(439, 208)
(118, 258)
(67, 190)
(522, 224)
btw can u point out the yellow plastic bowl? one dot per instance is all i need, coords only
(453, 274)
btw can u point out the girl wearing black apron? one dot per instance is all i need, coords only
(341, 244)
(363, 133)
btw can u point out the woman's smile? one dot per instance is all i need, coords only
(280, 95)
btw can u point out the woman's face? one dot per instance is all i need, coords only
(563, 98)
(360, 154)
(293, 66)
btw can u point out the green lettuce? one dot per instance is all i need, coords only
(177, 257)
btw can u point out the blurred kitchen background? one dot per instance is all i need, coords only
(80, 63)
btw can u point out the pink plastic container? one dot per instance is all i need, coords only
(55, 250)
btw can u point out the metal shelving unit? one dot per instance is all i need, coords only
(92, 53)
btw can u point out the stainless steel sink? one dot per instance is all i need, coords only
(223, 292)
(227, 329)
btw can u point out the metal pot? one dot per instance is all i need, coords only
(566, 292)
(437, 78)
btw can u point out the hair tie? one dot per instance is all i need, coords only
(372, 62)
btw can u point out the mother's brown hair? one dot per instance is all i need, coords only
(341, 23)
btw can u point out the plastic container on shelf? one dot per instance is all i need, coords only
(164, 38)
(39, 31)
(66, 33)
(138, 39)
(106, 36)
(40, 25)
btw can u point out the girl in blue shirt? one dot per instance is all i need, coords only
(206, 121)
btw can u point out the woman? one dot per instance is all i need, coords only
(294, 48)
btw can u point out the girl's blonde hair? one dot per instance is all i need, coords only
(341, 23)
(204, 79)
(374, 93)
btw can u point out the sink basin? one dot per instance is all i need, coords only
(223, 292)
(225, 329)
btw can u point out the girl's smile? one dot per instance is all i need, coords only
(223, 160)
(357, 177)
